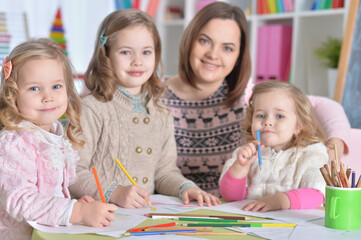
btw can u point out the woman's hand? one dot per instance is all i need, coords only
(340, 147)
(199, 195)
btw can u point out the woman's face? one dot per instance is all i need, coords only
(215, 50)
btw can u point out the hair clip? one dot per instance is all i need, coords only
(102, 39)
(6, 68)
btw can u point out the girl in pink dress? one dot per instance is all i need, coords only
(37, 160)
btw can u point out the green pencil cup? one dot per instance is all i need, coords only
(343, 208)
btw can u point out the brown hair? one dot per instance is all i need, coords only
(100, 78)
(38, 49)
(238, 78)
(311, 131)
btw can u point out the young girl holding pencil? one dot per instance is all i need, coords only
(37, 160)
(293, 153)
(122, 119)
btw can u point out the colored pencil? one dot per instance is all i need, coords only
(198, 229)
(98, 184)
(348, 172)
(131, 179)
(343, 181)
(238, 224)
(334, 173)
(353, 179)
(191, 219)
(154, 226)
(209, 234)
(326, 177)
(359, 182)
(326, 167)
(169, 215)
(157, 232)
(342, 168)
(259, 150)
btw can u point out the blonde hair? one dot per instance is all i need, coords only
(311, 131)
(100, 78)
(238, 78)
(41, 48)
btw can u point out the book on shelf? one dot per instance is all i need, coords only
(273, 52)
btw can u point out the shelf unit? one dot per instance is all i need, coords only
(310, 29)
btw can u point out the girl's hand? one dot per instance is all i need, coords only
(278, 201)
(201, 196)
(130, 196)
(86, 199)
(245, 157)
(94, 214)
(331, 149)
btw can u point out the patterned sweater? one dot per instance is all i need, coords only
(143, 143)
(207, 133)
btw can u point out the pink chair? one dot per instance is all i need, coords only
(353, 159)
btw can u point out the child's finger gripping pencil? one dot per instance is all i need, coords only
(131, 179)
(259, 150)
(98, 184)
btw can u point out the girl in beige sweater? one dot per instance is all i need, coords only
(121, 118)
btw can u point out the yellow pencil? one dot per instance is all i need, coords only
(131, 179)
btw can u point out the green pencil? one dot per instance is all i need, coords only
(190, 219)
(215, 224)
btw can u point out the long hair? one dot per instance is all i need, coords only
(311, 131)
(238, 78)
(41, 48)
(100, 78)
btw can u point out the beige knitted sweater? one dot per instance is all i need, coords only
(143, 143)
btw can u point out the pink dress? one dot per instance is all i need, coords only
(31, 165)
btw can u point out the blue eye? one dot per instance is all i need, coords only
(34, 89)
(203, 41)
(147, 52)
(228, 49)
(279, 116)
(125, 52)
(260, 116)
(57, 86)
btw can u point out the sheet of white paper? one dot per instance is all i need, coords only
(291, 216)
(126, 218)
(117, 228)
(163, 204)
(267, 232)
(319, 232)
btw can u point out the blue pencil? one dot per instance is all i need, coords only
(158, 232)
(259, 151)
(353, 182)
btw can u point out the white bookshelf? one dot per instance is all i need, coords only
(310, 29)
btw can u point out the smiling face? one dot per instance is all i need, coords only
(215, 50)
(132, 57)
(42, 97)
(275, 116)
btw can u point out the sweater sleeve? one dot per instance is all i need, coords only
(19, 193)
(168, 177)
(92, 123)
(231, 188)
(332, 118)
(305, 198)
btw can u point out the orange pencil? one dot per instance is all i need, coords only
(98, 184)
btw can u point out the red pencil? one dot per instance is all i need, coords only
(155, 226)
(98, 184)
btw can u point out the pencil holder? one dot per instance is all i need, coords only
(343, 208)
